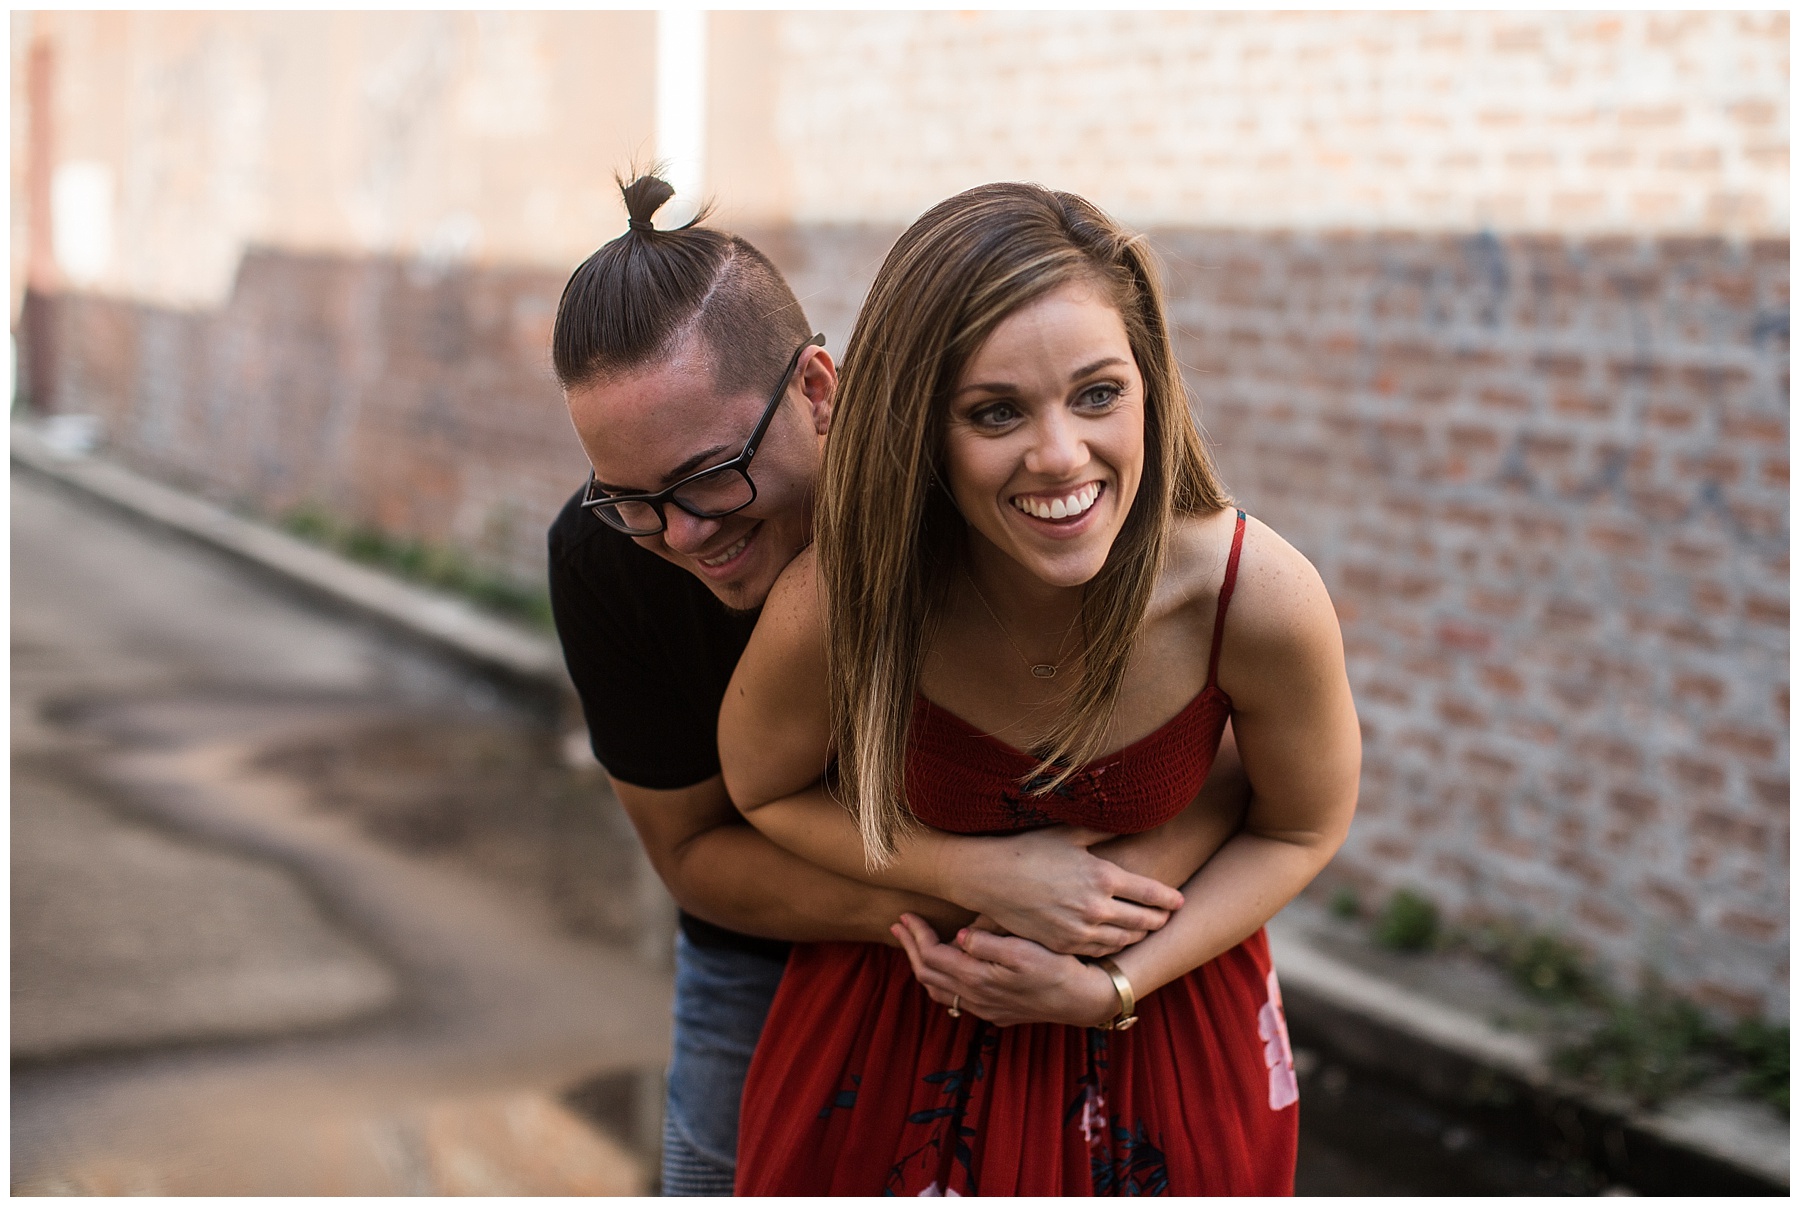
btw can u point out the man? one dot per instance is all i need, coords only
(702, 401)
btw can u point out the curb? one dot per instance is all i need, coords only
(1451, 1056)
(528, 664)
(1502, 1082)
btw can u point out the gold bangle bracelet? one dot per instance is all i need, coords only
(1127, 1015)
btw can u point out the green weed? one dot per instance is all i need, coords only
(1647, 1047)
(1409, 923)
(433, 565)
(1763, 1049)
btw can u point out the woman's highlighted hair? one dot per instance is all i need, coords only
(889, 537)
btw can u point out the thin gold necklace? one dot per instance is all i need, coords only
(1043, 670)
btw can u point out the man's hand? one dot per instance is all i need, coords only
(1006, 980)
(1045, 886)
(722, 870)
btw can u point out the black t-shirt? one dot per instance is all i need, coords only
(651, 651)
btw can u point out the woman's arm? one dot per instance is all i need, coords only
(1283, 666)
(774, 745)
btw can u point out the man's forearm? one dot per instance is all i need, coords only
(732, 876)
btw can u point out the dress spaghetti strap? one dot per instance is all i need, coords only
(1225, 589)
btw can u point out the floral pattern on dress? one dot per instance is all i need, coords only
(1278, 1053)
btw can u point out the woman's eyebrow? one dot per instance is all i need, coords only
(1103, 362)
(1007, 387)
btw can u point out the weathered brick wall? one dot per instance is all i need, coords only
(1649, 122)
(421, 403)
(1545, 480)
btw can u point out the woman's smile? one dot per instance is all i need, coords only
(1060, 507)
(1045, 445)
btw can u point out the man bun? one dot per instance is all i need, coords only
(645, 195)
(638, 295)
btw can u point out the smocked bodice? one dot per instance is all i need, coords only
(969, 782)
(961, 779)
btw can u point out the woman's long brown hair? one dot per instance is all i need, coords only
(888, 535)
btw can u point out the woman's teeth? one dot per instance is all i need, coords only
(716, 562)
(1060, 509)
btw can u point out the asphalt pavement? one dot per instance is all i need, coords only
(222, 985)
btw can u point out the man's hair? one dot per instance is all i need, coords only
(642, 294)
(888, 535)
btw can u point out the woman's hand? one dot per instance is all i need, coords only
(1006, 980)
(1046, 886)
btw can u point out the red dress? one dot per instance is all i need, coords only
(862, 1085)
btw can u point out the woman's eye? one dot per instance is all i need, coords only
(1098, 398)
(998, 415)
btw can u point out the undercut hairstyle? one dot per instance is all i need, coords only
(888, 535)
(641, 295)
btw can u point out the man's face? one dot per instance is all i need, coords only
(653, 426)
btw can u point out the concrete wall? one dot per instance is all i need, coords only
(181, 140)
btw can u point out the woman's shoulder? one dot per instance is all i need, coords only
(1275, 589)
(796, 589)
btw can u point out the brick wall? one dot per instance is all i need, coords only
(1545, 480)
(1642, 122)
(422, 403)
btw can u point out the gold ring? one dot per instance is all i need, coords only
(956, 1005)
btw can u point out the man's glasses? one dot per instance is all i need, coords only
(709, 494)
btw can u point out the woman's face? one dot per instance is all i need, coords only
(1045, 441)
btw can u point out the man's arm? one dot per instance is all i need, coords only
(720, 868)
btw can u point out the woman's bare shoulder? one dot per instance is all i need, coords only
(1281, 619)
(1278, 596)
(794, 601)
(1194, 564)
(773, 722)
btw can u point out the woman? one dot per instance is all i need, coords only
(1022, 546)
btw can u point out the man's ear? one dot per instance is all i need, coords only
(818, 382)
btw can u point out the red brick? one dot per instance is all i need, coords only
(1582, 404)
(1726, 827)
(1639, 807)
(1674, 902)
(1392, 850)
(1602, 917)
(1614, 752)
(1713, 467)
(1771, 792)
(1502, 680)
(1510, 401)
(1711, 598)
(1750, 926)
(1454, 710)
(1733, 1002)
(1580, 863)
(1466, 638)
(1490, 768)
(1752, 113)
(1740, 739)
(1760, 429)
(1701, 689)
(1697, 774)
(1565, 615)
(1616, 539)
(1763, 609)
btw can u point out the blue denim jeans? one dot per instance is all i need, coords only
(721, 1000)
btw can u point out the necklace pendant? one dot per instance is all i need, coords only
(1044, 670)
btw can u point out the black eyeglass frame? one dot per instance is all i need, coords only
(739, 464)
